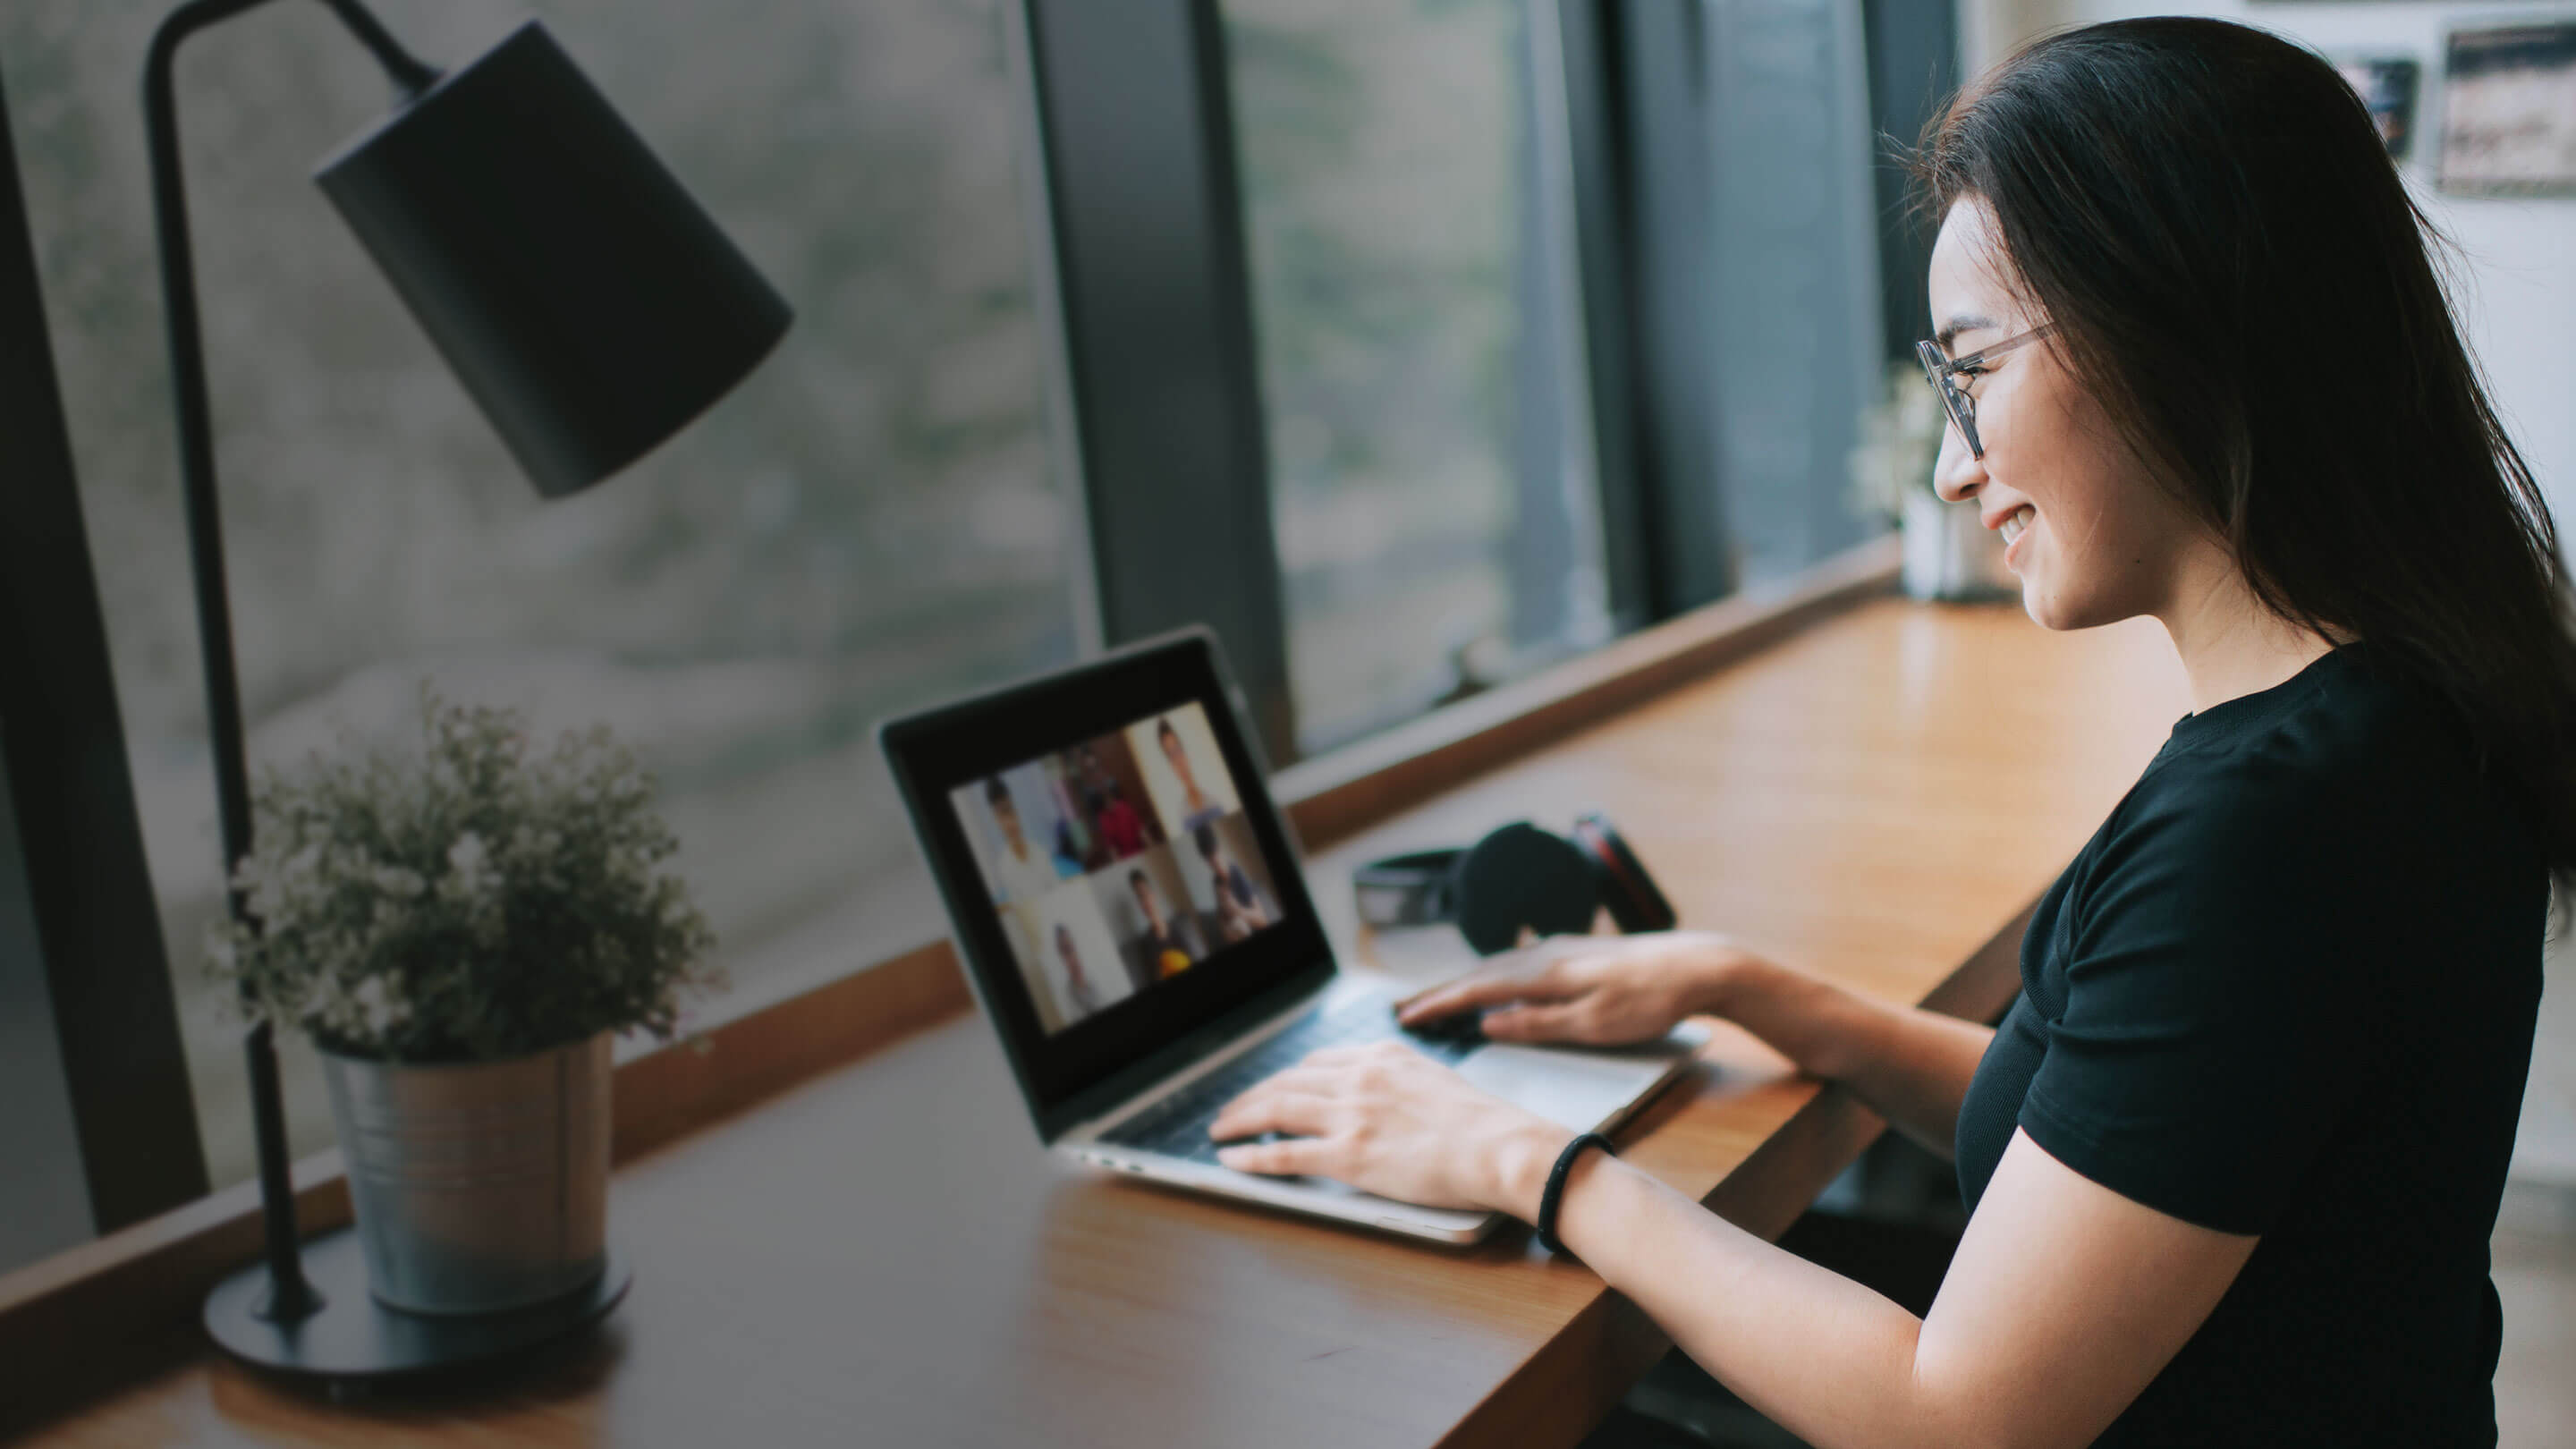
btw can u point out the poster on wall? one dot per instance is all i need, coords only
(2386, 85)
(2509, 111)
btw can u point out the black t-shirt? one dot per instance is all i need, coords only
(2288, 989)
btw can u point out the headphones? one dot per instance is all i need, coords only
(1518, 876)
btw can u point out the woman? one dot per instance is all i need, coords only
(1171, 945)
(1073, 845)
(1077, 986)
(1122, 826)
(1196, 808)
(2233, 1157)
(1241, 908)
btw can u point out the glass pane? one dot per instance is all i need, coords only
(1410, 372)
(866, 524)
(1791, 259)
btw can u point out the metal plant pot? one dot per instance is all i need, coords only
(1949, 555)
(479, 1186)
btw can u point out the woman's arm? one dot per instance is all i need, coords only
(1909, 1065)
(2064, 1300)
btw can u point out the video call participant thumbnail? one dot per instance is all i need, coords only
(1243, 905)
(1067, 955)
(1079, 994)
(1021, 872)
(1109, 783)
(1187, 773)
(1146, 902)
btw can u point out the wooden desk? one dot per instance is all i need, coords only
(883, 1255)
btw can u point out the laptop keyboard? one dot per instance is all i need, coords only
(1177, 1126)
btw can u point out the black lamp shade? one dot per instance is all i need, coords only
(583, 298)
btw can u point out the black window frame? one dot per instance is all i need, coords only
(90, 942)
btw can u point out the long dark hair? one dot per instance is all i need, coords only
(2209, 216)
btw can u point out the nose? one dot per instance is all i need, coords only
(1957, 474)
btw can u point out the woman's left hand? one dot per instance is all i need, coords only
(1387, 1119)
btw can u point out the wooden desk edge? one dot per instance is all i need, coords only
(67, 1320)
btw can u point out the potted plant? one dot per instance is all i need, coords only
(461, 929)
(1948, 554)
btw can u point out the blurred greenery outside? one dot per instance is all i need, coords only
(867, 524)
(1381, 148)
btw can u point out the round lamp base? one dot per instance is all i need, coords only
(354, 1339)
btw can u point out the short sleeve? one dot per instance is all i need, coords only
(2223, 971)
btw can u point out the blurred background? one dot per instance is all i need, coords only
(877, 518)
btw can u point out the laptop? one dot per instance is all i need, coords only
(1131, 909)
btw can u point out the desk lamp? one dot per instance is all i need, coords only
(591, 310)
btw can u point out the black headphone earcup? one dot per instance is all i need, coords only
(1522, 876)
(1626, 889)
(1408, 890)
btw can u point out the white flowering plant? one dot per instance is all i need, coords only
(1900, 441)
(468, 901)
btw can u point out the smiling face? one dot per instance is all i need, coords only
(2094, 540)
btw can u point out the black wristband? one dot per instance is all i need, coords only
(1553, 1196)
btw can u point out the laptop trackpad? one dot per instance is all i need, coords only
(1569, 1088)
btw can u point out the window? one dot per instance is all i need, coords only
(867, 523)
(1406, 210)
(1792, 262)
(1487, 245)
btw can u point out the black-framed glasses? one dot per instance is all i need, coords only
(1962, 408)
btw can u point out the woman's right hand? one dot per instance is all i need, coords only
(1592, 990)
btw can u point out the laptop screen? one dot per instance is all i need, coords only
(1115, 874)
(1118, 862)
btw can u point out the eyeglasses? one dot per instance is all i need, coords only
(1962, 408)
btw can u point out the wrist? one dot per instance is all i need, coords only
(1575, 1200)
(1719, 980)
(1521, 1165)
